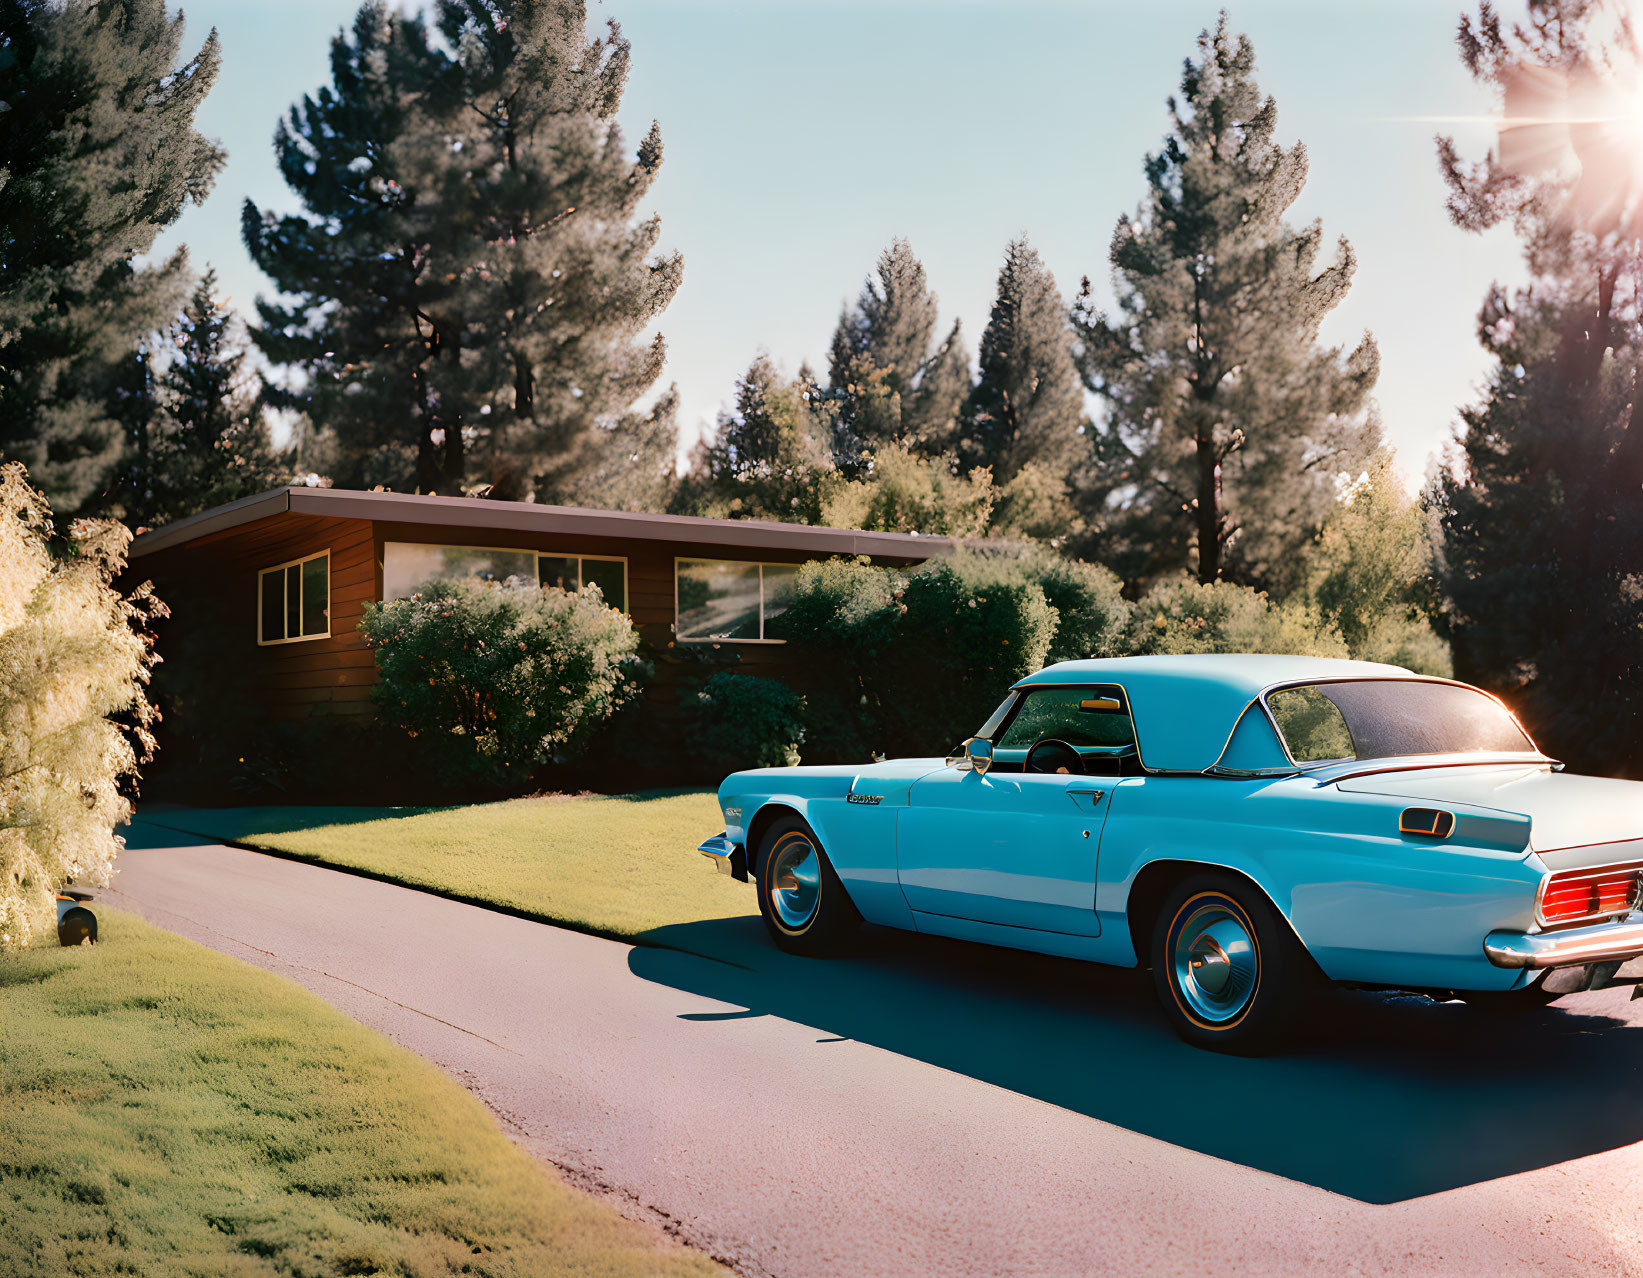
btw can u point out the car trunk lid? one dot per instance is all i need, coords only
(1565, 812)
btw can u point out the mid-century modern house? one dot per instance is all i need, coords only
(288, 573)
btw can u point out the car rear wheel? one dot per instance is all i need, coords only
(804, 905)
(1229, 972)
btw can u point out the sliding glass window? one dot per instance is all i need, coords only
(409, 567)
(725, 601)
(572, 572)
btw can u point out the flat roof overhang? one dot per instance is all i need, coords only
(473, 512)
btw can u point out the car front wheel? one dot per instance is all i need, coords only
(804, 905)
(1230, 974)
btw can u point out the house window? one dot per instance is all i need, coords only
(294, 600)
(572, 572)
(408, 567)
(725, 601)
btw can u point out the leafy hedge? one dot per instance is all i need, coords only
(501, 679)
(744, 721)
(911, 663)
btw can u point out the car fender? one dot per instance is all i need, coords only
(1370, 903)
(853, 812)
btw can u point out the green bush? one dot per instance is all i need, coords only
(912, 663)
(1092, 615)
(904, 492)
(1188, 616)
(501, 679)
(1370, 573)
(743, 721)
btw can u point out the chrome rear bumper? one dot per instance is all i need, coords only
(727, 856)
(1600, 943)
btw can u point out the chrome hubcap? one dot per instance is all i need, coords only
(1215, 963)
(795, 881)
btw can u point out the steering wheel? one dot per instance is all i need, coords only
(1054, 755)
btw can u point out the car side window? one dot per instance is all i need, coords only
(1094, 716)
(1311, 725)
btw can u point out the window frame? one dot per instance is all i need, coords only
(760, 564)
(280, 568)
(582, 580)
(521, 550)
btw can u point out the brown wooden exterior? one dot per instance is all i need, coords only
(290, 680)
(219, 555)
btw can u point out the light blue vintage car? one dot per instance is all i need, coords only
(1249, 827)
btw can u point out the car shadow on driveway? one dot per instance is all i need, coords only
(1384, 1098)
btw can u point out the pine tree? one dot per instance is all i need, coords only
(1227, 423)
(932, 419)
(890, 387)
(472, 286)
(1027, 407)
(216, 445)
(1542, 556)
(770, 456)
(196, 432)
(99, 154)
(636, 461)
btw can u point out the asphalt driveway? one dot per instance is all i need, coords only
(928, 1106)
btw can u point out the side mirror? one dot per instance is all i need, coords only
(979, 751)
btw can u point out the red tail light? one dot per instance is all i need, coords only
(1576, 896)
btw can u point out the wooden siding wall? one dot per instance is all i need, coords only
(293, 680)
(333, 676)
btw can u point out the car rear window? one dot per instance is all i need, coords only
(1388, 718)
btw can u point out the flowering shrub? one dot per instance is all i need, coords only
(501, 679)
(75, 717)
(742, 721)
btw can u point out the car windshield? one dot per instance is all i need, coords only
(1388, 718)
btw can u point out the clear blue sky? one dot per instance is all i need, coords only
(801, 135)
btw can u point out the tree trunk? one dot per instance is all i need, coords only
(427, 460)
(455, 464)
(1208, 509)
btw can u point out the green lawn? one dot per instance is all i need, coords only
(616, 866)
(167, 1110)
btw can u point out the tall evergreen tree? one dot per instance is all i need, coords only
(1543, 545)
(471, 284)
(1027, 407)
(770, 456)
(99, 153)
(635, 461)
(890, 387)
(1227, 422)
(197, 433)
